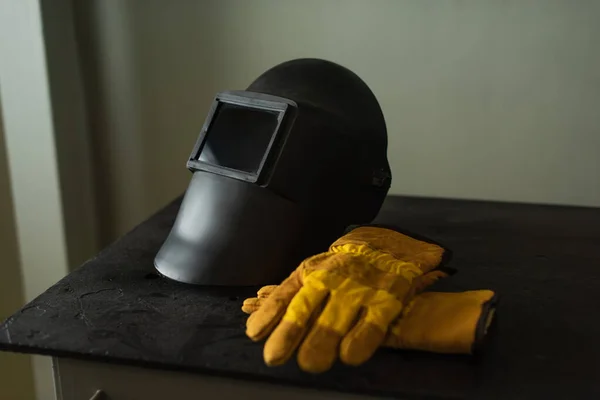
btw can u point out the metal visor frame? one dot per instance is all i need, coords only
(285, 111)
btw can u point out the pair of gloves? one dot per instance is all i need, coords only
(366, 292)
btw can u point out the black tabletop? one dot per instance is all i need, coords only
(543, 261)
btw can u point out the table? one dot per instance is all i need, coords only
(115, 313)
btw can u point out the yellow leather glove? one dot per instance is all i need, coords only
(452, 323)
(370, 269)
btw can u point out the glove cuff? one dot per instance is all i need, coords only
(381, 260)
(426, 256)
(487, 317)
(446, 257)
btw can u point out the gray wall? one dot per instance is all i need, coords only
(483, 99)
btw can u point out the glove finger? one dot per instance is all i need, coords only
(320, 349)
(264, 320)
(303, 309)
(251, 305)
(266, 291)
(370, 330)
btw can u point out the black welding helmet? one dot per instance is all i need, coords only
(279, 171)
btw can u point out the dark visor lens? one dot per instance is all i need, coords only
(238, 137)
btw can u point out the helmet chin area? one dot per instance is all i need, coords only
(231, 232)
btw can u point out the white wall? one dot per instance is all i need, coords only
(16, 379)
(31, 167)
(483, 99)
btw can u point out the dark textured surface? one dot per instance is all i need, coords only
(544, 262)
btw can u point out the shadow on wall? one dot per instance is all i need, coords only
(151, 73)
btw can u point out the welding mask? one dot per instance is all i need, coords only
(279, 171)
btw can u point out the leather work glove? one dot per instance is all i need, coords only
(363, 282)
(439, 322)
